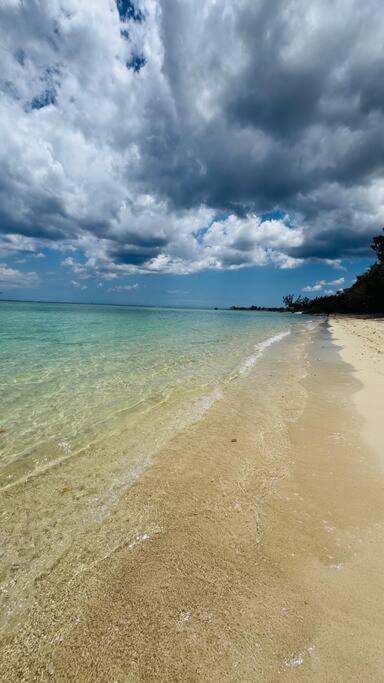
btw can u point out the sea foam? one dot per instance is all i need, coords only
(260, 348)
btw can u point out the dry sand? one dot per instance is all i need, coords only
(251, 550)
(362, 346)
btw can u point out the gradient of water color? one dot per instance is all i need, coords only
(71, 374)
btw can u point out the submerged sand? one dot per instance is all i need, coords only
(251, 549)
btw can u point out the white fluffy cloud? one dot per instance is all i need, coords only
(321, 284)
(11, 278)
(151, 135)
(78, 285)
(123, 288)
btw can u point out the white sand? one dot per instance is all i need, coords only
(251, 550)
(362, 346)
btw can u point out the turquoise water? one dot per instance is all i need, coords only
(72, 375)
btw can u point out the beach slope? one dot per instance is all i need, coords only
(251, 550)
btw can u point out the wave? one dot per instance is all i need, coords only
(260, 348)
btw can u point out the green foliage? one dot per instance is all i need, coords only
(288, 300)
(297, 304)
(366, 295)
(377, 245)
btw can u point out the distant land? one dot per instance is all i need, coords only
(278, 309)
(365, 296)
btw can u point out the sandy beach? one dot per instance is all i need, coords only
(251, 549)
(362, 346)
(191, 341)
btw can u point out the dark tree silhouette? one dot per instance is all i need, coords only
(288, 300)
(366, 295)
(377, 245)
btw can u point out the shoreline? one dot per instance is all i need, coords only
(250, 548)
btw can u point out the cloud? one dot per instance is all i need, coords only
(11, 278)
(320, 284)
(78, 285)
(123, 288)
(154, 136)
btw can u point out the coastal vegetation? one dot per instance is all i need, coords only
(366, 295)
(278, 309)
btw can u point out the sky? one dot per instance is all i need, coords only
(189, 152)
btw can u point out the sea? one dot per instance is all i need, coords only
(74, 375)
(90, 395)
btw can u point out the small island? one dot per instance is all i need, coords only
(274, 309)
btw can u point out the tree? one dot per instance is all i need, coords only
(377, 245)
(288, 300)
(366, 295)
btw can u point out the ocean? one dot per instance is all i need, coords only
(73, 376)
(90, 394)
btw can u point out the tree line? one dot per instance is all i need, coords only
(366, 295)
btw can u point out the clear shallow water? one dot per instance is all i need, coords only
(72, 375)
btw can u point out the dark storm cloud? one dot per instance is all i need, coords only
(129, 127)
(137, 253)
(271, 92)
(42, 217)
(292, 98)
(133, 256)
(332, 244)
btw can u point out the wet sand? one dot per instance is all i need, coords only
(251, 549)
